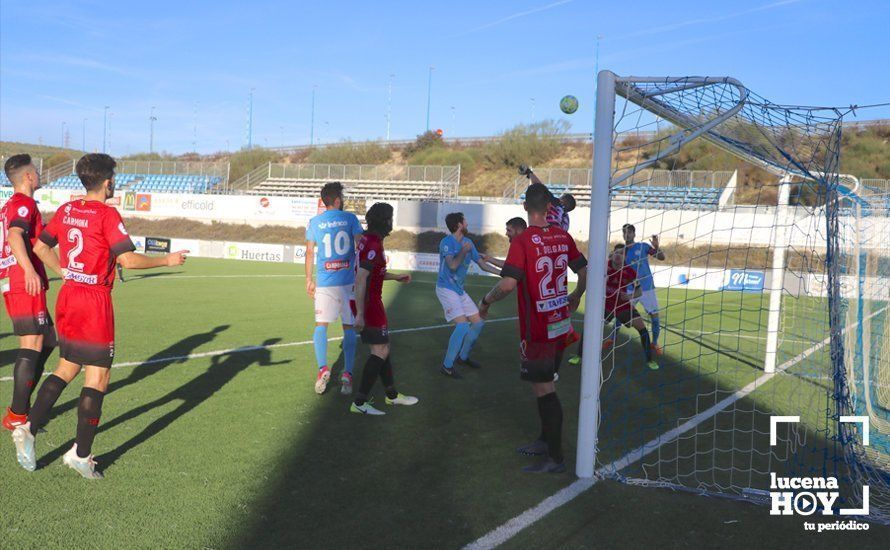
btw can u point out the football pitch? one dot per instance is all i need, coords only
(212, 435)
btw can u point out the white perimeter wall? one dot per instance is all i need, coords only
(739, 226)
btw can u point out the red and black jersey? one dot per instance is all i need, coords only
(539, 259)
(617, 281)
(20, 211)
(372, 257)
(90, 236)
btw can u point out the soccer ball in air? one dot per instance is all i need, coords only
(568, 104)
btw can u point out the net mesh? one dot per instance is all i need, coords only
(771, 299)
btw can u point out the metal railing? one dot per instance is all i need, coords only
(445, 178)
(578, 180)
(179, 168)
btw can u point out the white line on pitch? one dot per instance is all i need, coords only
(267, 276)
(511, 528)
(244, 349)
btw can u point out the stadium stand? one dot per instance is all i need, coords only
(383, 182)
(157, 183)
(663, 189)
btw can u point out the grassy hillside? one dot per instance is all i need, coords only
(487, 168)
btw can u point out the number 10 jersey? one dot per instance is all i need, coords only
(334, 232)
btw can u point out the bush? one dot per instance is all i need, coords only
(350, 153)
(441, 156)
(423, 141)
(56, 159)
(243, 162)
(525, 144)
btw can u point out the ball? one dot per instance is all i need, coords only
(568, 104)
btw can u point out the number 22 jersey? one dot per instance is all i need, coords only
(539, 259)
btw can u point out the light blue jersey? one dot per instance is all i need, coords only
(637, 257)
(334, 232)
(454, 279)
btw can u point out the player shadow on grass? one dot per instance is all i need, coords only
(223, 369)
(177, 353)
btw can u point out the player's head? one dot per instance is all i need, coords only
(618, 255)
(96, 172)
(629, 232)
(332, 195)
(568, 202)
(515, 227)
(22, 172)
(456, 222)
(379, 218)
(537, 199)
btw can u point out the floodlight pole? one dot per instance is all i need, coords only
(429, 86)
(105, 128)
(389, 105)
(312, 118)
(594, 302)
(151, 135)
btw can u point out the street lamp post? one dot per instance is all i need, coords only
(429, 84)
(389, 105)
(105, 128)
(151, 133)
(312, 118)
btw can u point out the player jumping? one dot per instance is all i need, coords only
(370, 316)
(619, 305)
(637, 257)
(25, 292)
(456, 251)
(90, 236)
(334, 232)
(537, 263)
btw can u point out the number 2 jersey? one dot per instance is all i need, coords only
(334, 232)
(20, 211)
(90, 235)
(539, 259)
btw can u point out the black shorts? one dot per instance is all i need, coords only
(375, 335)
(625, 316)
(539, 360)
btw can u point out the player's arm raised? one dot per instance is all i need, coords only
(361, 293)
(657, 251)
(133, 260)
(16, 240)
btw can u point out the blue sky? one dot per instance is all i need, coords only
(62, 62)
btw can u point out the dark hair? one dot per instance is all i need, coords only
(94, 168)
(568, 202)
(517, 223)
(379, 218)
(627, 226)
(453, 220)
(618, 247)
(537, 198)
(15, 165)
(331, 192)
